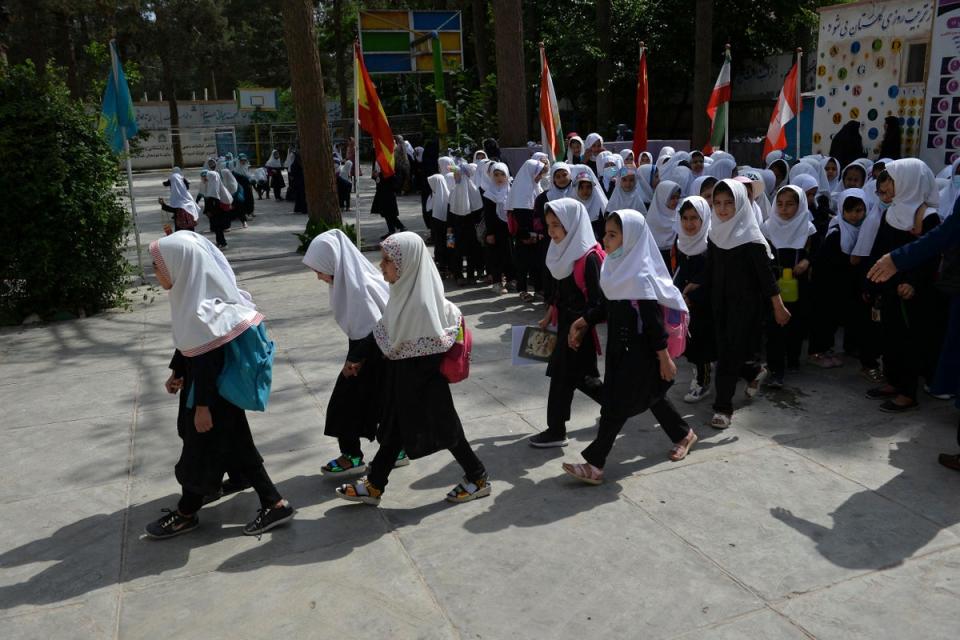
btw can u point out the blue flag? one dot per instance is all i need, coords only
(117, 116)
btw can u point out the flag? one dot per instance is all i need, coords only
(640, 123)
(785, 111)
(719, 105)
(551, 132)
(117, 117)
(372, 118)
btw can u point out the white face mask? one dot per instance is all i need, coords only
(956, 181)
(611, 172)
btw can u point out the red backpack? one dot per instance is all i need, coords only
(455, 365)
(580, 278)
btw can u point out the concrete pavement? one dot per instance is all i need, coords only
(814, 516)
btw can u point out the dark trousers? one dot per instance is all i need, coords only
(703, 374)
(257, 476)
(666, 414)
(902, 355)
(350, 446)
(424, 196)
(498, 256)
(560, 397)
(441, 254)
(393, 223)
(729, 370)
(466, 247)
(386, 457)
(784, 344)
(529, 265)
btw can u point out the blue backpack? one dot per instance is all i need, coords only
(248, 369)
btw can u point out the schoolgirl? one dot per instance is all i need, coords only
(182, 205)
(207, 312)
(789, 232)
(627, 194)
(639, 369)
(573, 289)
(497, 240)
(466, 212)
(527, 229)
(438, 205)
(418, 327)
(662, 219)
(591, 195)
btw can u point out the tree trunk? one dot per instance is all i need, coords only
(702, 71)
(67, 56)
(604, 68)
(479, 14)
(170, 86)
(306, 79)
(511, 81)
(213, 83)
(340, 56)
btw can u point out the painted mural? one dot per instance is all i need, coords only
(941, 134)
(860, 54)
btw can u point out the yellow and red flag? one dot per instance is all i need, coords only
(373, 120)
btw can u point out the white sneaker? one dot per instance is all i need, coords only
(693, 380)
(697, 393)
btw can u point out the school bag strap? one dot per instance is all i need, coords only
(580, 279)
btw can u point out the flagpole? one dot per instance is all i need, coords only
(726, 115)
(126, 150)
(799, 103)
(356, 137)
(543, 131)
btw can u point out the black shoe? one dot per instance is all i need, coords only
(950, 461)
(172, 524)
(547, 440)
(889, 406)
(879, 393)
(267, 519)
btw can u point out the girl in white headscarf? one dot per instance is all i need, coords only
(742, 288)
(185, 211)
(417, 329)
(590, 194)
(575, 153)
(721, 169)
(693, 225)
(497, 239)
(573, 259)
(647, 179)
(662, 218)
(628, 159)
(831, 168)
(911, 319)
(358, 296)
(438, 204)
(609, 165)
(639, 370)
(527, 229)
(216, 204)
(627, 194)
(207, 312)
(789, 232)
(592, 147)
(275, 174)
(663, 157)
(466, 211)
(645, 158)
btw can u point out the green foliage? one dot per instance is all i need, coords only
(316, 227)
(64, 225)
(468, 114)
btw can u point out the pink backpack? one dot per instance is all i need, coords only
(455, 366)
(677, 324)
(580, 278)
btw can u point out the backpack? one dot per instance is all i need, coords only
(677, 324)
(248, 369)
(455, 365)
(580, 278)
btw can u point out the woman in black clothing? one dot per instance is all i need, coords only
(528, 229)
(890, 147)
(385, 201)
(847, 144)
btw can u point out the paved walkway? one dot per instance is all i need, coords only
(815, 516)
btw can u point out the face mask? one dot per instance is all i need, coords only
(883, 205)
(611, 172)
(616, 253)
(956, 182)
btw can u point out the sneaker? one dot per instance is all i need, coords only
(936, 396)
(889, 406)
(546, 440)
(697, 393)
(775, 381)
(753, 387)
(402, 460)
(268, 518)
(172, 524)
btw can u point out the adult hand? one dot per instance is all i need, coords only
(202, 419)
(883, 269)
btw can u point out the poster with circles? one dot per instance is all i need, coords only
(860, 57)
(941, 131)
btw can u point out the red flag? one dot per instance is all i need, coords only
(786, 110)
(640, 124)
(373, 120)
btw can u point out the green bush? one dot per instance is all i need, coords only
(315, 228)
(64, 227)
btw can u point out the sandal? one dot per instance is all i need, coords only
(336, 466)
(525, 296)
(754, 385)
(360, 491)
(585, 472)
(682, 448)
(467, 491)
(720, 421)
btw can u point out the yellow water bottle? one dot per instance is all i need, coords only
(789, 289)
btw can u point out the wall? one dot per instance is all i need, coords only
(859, 55)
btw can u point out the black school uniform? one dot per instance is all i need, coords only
(741, 282)
(227, 448)
(499, 257)
(570, 369)
(530, 248)
(632, 382)
(466, 248)
(354, 408)
(785, 343)
(701, 344)
(911, 330)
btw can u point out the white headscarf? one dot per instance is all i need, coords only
(358, 294)
(274, 161)
(229, 180)
(742, 228)
(834, 185)
(602, 159)
(679, 174)
(663, 221)
(439, 198)
(644, 181)
(180, 197)
(848, 232)
(716, 156)
(215, 188)
(579, 239)
(792, 233)
(949, 194)
(465, 197)
(666, 152)
(627, 153)
(649, 157)
(591, 138)
(696, 244)
(418, 154)
(570, 150)
(721, 169)
(207, 308)
(418, 320)
(445, 164)
(633, 199)
(806, 182)
(346, 169)
(638, 272)
(597, 204)
(773, 156)
(697, 186)
(525, 187)
(288, 161)
(914, 185)
(554, 192)
(496, 193)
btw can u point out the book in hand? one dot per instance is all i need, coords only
(534, 344)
